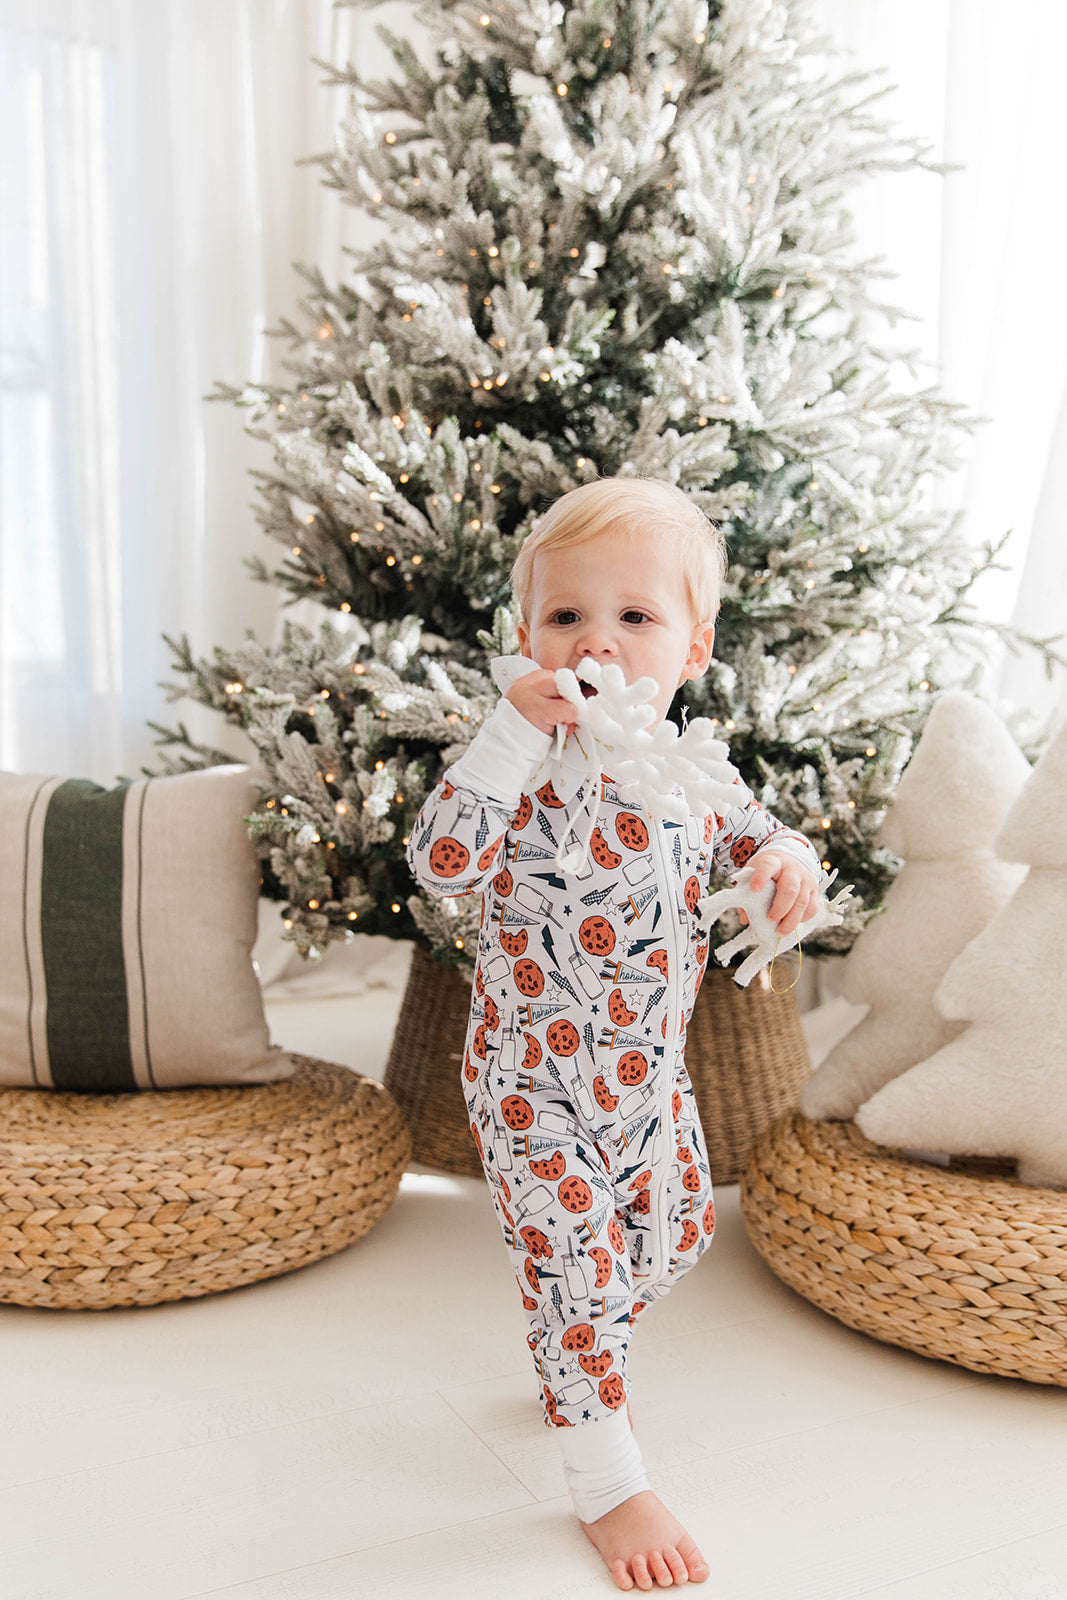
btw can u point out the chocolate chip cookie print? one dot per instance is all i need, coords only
(573, 1073)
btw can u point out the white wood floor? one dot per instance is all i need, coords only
(368, 1429)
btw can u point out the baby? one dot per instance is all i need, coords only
(587, 970)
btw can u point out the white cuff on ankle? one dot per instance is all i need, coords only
(602, 1465)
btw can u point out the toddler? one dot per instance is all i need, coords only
(588, 966)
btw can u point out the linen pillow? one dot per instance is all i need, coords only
(127, 919)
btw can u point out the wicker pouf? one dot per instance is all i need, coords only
(132, 1199)
(955, 1263)
(745, 1051)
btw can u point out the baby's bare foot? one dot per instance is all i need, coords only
(643, 1545)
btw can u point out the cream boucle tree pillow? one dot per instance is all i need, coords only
(1000, 1087)
(126, 929)
(957, 789)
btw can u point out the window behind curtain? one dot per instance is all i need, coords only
(60, 555)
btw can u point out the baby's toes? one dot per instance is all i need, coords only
(676, 1565)
(642, 1577)
(621, 1573)
(659, 1569)
(697, 1567)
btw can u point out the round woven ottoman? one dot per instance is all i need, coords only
(954, 1263)
(132, 1199)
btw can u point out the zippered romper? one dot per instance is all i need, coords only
(573, 1070)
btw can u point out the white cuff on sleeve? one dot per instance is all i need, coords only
(602, 1465)
(504, 753)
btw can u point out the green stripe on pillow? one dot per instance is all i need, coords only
(81, 939)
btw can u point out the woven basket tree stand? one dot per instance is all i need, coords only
(745, 1051)
(963, 1263)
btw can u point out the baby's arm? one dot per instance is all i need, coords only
(457, 841)
(751, 836)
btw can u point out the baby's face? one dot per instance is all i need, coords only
(618, 598)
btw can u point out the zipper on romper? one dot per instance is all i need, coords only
(674, 992)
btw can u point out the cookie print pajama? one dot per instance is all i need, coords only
(573, 1072)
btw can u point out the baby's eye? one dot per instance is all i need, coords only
(633, 615)
(565, 617)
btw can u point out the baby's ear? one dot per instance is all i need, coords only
(699, 656)
(524, 640)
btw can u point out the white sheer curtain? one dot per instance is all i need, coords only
(980, 257)
(150, 209)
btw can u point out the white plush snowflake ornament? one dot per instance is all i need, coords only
(761, 934)
(673, 775)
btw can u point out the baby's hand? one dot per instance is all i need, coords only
(797, 897)
(541, 703)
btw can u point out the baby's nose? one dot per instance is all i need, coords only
(597, 641)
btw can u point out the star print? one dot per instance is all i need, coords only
(584, 1415)
(566, 911)
(500, 1082)
(594, 1009)
(648, 1033)
(551, 1221)
(574, 1311)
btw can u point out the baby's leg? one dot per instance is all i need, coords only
(559, 1218)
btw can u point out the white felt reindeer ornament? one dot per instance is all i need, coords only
(761, 934)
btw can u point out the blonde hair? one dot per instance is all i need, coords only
(645, 506)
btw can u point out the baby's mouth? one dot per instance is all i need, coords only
(587, 689)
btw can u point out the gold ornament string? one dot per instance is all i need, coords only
(770, 969)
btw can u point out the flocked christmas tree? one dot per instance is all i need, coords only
(616, 240)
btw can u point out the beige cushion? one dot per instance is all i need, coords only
(127, 921)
